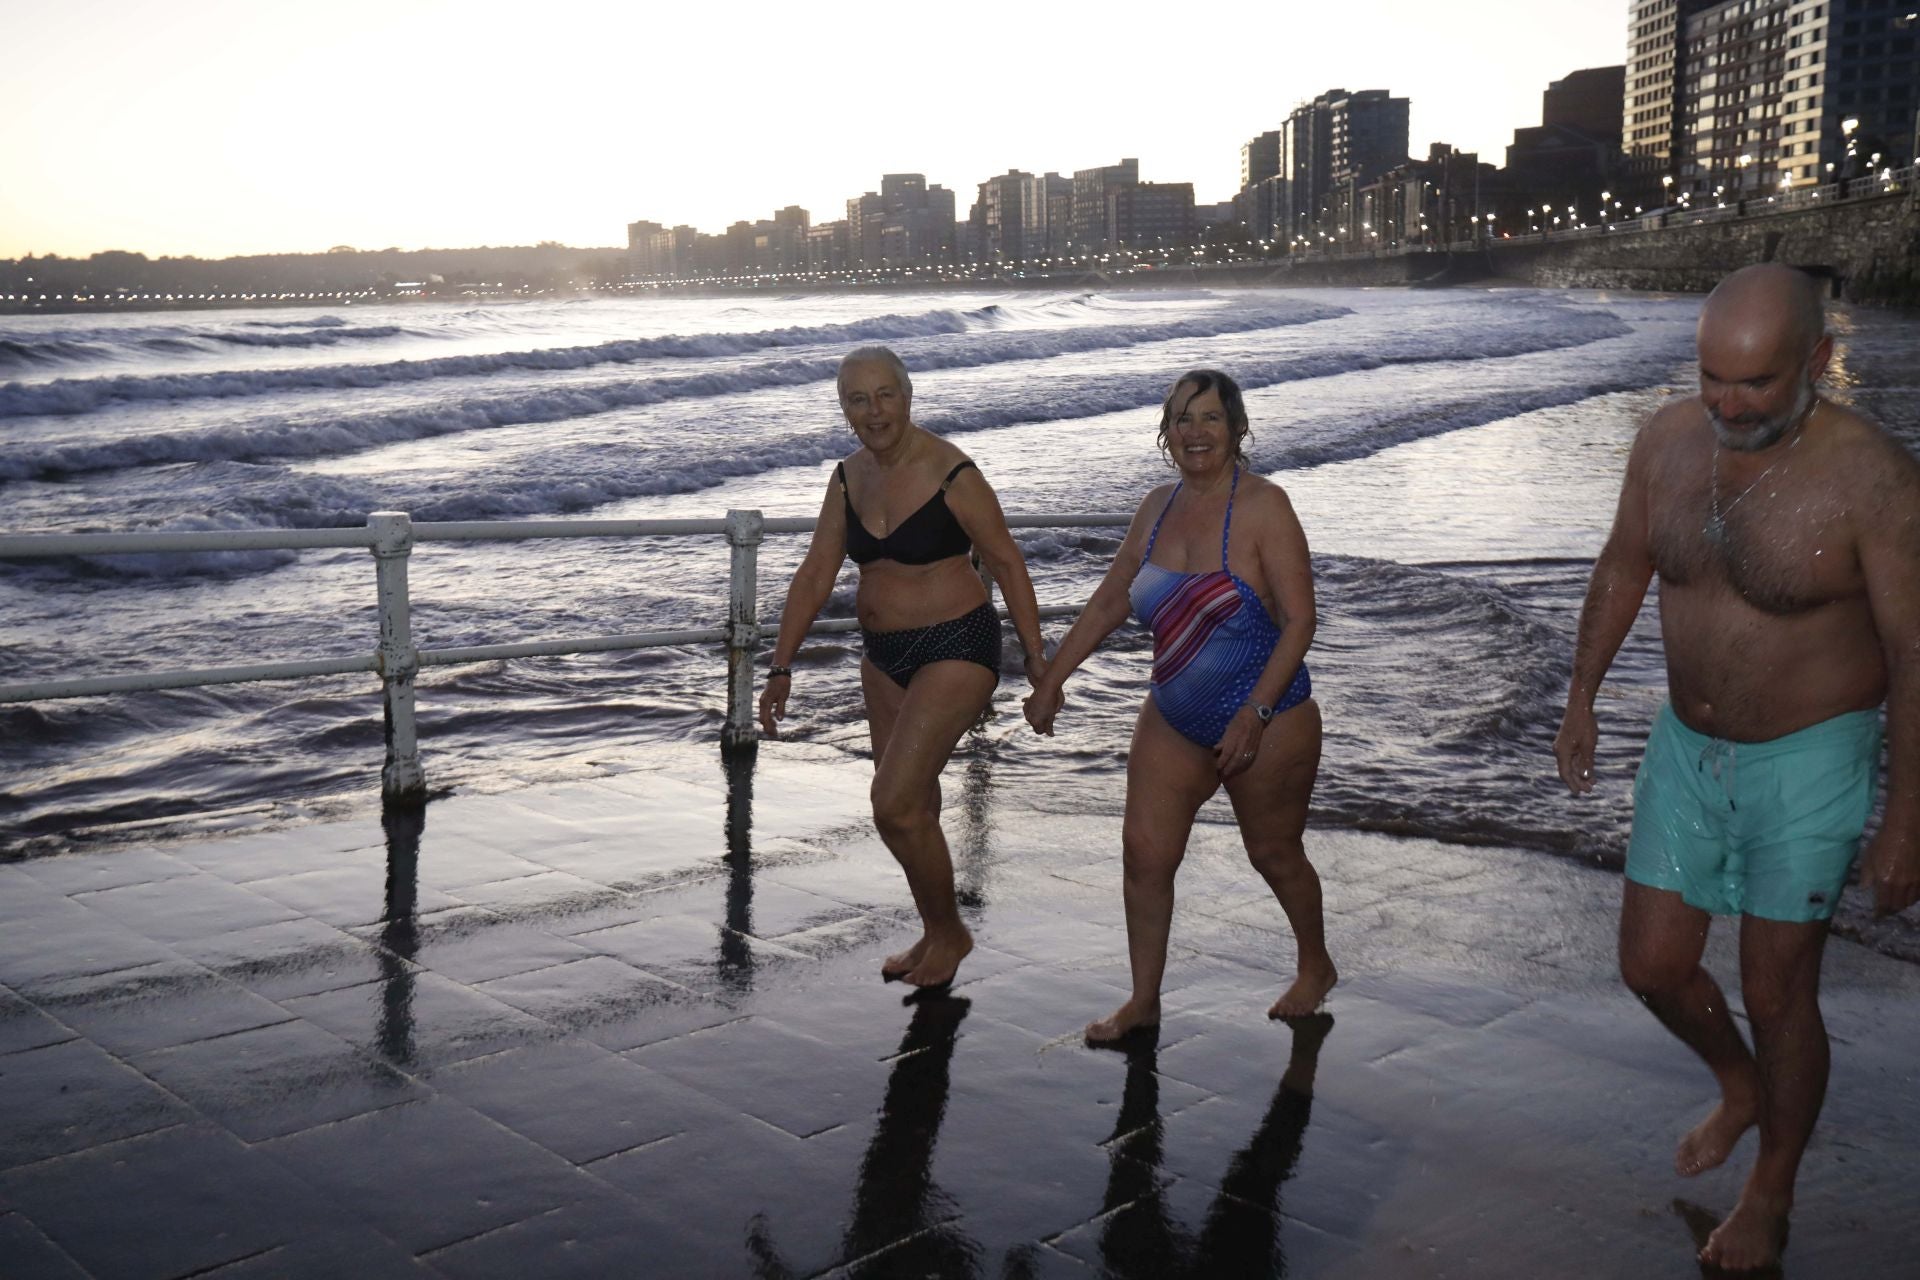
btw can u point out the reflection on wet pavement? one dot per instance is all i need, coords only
(633, 1026)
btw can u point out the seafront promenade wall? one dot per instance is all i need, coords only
(1868, 248)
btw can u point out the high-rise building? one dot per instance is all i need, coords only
(1872, 79)
(906, 223)
(1049, 215)
(1367, 135)
(1649, 114)
(1309, 156)
(1591, 100)
(1091, 191)
(1331, 147)
(1260, 159)
(1777, 93)
(1733, 60)
(655, 252)
(639, 242)
(1001, 217)
(866, 218)
(1572, 155)
(827, 246)
(1152, 215)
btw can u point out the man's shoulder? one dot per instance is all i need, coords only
(1866, 459)
(1855, 437)
(1676, 418)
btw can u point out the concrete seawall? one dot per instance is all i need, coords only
(1869, 249)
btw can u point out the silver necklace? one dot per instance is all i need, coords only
(1716, 526)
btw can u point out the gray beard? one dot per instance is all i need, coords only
(1754, 437)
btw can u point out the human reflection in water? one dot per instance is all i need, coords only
(399, 935)
(895, 1198)
(1240, 1235)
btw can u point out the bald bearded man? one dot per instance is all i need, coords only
(1784, 530)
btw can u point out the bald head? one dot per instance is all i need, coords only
(1763, 346)
(1766, 307)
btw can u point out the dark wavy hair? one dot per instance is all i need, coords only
(1197, 382)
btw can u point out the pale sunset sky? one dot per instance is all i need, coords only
(219, 127)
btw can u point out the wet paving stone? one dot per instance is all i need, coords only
(352, 1253)
(350, 896)
(873, 883)
(183, 1200)
(544, 1074)
(430, 1173)
(277, 1080)
(605, 1235)
(450, 865)
(748, 903)
(57, 940)
(24, 1026)
(473, 945)
(1189, 1229)
(794, 1082)
(695, 952)
(734, 1196)
(292, 958)
(29, 1255)
(290, 851)
(533, 898)
(1045, 1000)
(611, 1104)
(605, 998)
(182, 907)
(156, 1006)
(616, 864)
(417, 1019)
(71, 1096)
(89, 872)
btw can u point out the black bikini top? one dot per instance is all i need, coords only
(929, 534)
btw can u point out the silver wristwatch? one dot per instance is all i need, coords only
(1262, 710)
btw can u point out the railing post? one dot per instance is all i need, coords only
(401, 777)
(743, 629)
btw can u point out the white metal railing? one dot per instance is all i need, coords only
(391, 535)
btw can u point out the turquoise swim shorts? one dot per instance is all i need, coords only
(1764, 829)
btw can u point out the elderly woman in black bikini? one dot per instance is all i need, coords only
(907, 506)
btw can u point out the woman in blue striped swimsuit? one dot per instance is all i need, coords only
(1216, 566)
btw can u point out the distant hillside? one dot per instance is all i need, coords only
(339, 270)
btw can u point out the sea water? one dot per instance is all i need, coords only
(1454, 457)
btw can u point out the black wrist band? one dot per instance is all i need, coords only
(779, 671)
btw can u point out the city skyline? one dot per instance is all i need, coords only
(215, 128)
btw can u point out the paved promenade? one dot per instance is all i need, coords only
(632, 1026)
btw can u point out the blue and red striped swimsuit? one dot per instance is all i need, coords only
(1211, 639)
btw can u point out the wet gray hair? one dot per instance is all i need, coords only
(881, 355)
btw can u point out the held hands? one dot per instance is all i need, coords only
(1892, 868)
(1574, 746)
(1239, 744)
(1043, 704)
(773, 703)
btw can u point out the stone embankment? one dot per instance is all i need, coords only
(1869, 249)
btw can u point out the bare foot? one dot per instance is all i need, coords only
(1751, 1238)
(1306, 993)
(939, 960)
(1709, 1143)
(900, 964)
(1132, 1016)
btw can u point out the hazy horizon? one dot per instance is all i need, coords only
(215, 128)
